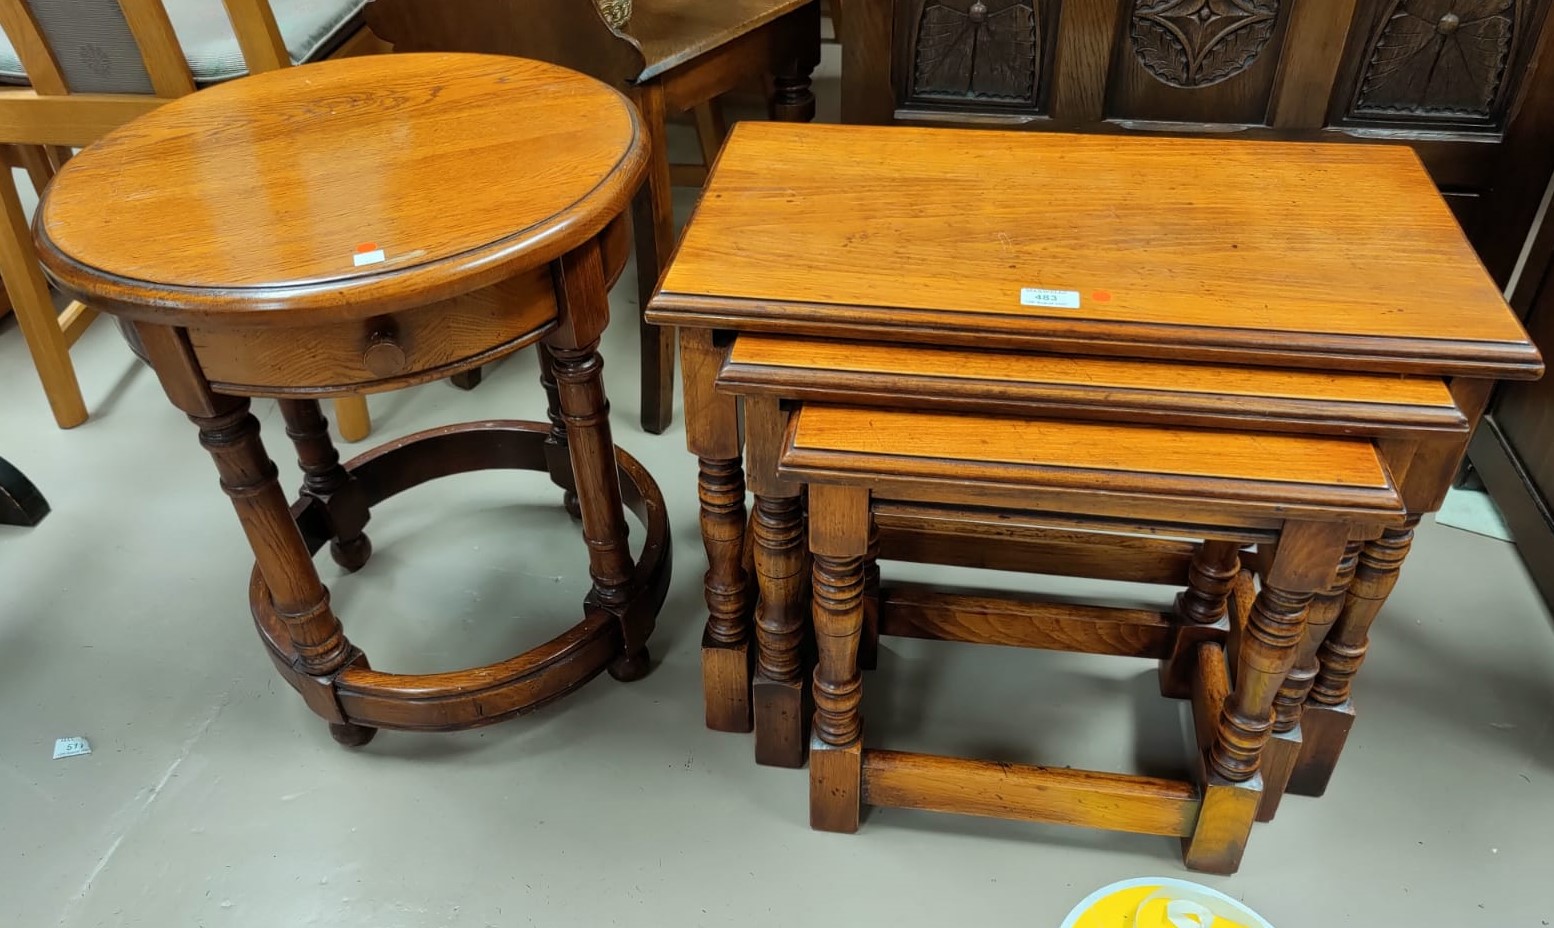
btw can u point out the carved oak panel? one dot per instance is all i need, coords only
(977, 51)
(1438, 58)
(1196, 43)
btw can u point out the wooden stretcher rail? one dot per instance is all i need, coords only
(1084, 798)
(921, 611)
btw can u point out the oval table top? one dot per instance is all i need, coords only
(341, 189)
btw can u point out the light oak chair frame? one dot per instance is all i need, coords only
(41, 123)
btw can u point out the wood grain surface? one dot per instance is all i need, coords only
(263, 193)
(1071, 444)
(1104, 373)
(1090, 387)
(1275, 249)
(1089, 799)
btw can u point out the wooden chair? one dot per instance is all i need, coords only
(90, 66)
(673, 56)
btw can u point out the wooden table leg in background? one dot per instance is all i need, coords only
(326, 481)
(558, 458)
(1201, 612)
(712, 433)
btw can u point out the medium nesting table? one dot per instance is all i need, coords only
(365, 225)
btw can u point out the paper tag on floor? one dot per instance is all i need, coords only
(71, 747)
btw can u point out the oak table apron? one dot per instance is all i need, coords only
(365, 225)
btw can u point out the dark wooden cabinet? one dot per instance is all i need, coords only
(1456, 79)
(1514, 448)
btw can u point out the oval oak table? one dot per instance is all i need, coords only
(365, 225)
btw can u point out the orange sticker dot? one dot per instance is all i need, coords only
(1101, 296)
(365, 247)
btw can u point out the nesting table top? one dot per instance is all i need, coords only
(1334, 255)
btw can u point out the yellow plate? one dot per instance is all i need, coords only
(1161, 902)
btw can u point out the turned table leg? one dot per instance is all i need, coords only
(712, 433)
(578, 372)
(777, 691)
(1308, 554)
(1284, 747)
(316, 642)
(792, 98)
(326, 481)
(558, 457)
(838, 540)
(1201, 612)
(579, 380)
(231, 435)
(1329, 713)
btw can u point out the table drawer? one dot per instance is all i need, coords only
(382, 352)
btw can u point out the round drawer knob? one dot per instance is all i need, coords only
(384, 356)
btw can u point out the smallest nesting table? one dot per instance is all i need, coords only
(365, 225)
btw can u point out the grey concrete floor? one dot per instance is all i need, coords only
(212, 797)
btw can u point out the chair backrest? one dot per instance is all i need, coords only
(125, 46)
(571, 33)
(94, 65)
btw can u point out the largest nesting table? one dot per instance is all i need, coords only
(1306, 288)
(365, 225)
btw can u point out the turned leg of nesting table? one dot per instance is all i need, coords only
(778, 691)
(712, 433)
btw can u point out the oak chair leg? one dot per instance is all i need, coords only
(652, 215)
(1284, 747)
(326, 481)
(558, 457)
(1307, 558)
(352, 417)
(467, 380)
(35, 312)
(35, 160)
(1328, 714)
(1201, 612)
(838, 540)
